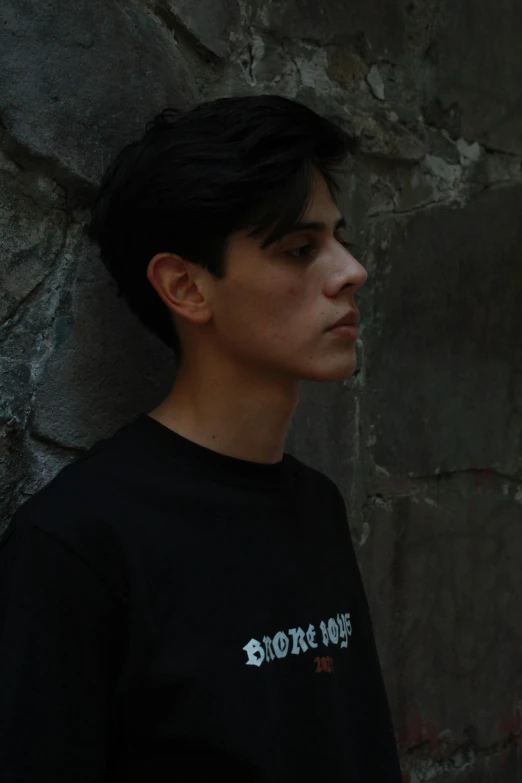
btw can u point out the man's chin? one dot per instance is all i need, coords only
(334, 370)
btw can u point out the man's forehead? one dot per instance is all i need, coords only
(318, 212)
(321, 207)
(318, 222)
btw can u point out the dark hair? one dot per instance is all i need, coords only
(195, 177)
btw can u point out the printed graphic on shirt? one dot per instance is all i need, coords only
(324, 664)
(296, 641)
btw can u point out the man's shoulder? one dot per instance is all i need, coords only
(90, 483)
(82, 505)
(314, 482)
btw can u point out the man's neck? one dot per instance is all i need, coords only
(230, 413)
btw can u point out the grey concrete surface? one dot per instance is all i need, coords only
(425, 441)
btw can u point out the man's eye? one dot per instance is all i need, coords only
(350, 246)
(300, 252)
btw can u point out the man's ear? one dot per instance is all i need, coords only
(181, 285)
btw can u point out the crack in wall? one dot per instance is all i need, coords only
(79, 189)
(483, 472)
(185, 38)
(54, 447)
(464, 756)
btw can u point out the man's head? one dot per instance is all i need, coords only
(206, 225)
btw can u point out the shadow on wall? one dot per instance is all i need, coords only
(104, 368)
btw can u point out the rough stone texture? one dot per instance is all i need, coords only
(444, 347)
(425, 441)
(30, 240)
(434, 570)
(373, 25)
(83, 77)
(99, 346)
(211, 27)
(476, 81)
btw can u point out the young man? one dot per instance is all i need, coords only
(183, 602)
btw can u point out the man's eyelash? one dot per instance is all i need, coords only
(308, 248)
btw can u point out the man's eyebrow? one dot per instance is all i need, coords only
(314, 226)
(295, 228)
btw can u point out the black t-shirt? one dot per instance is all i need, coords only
(171, 613)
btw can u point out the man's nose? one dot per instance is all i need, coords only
(355, 275)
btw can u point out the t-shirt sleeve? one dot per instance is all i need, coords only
(377, 752)
(59, 630)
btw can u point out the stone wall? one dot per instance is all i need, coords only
(425, 440)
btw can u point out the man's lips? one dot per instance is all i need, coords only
(351, 318)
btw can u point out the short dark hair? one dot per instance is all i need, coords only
(195, 177)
